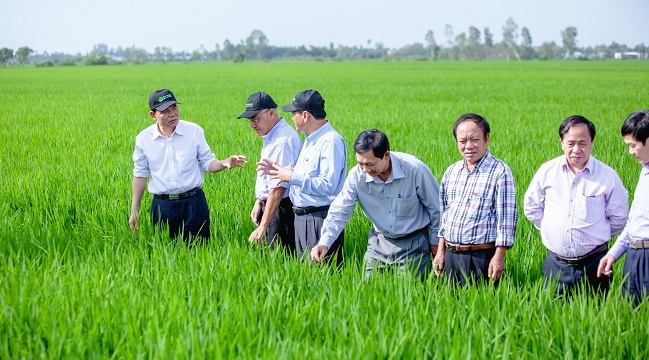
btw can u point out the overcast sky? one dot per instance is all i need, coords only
(73, 26)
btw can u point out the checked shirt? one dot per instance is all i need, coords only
(479, 207)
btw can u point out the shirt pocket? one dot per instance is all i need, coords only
(593, 207)
(479, 206)
(407, 207)
(186, 161)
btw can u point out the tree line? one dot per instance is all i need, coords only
(474, 44)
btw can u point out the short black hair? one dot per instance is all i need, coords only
(638, 125)
(477, 119)
(374, 140)
(574, 120)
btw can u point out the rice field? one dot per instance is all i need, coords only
(76, 283)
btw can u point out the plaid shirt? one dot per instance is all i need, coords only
(479, 207)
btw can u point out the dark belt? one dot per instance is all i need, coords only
(416, 232)
(184, 195)
(639, 244)
(309, 209)
(465, 248)
(581, 259)
(285, 201)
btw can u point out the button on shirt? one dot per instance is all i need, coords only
(637, 227)
(319, 174)
(406, 202)
(282, 145)
(479, 207)
(175, 164)
(576, 212)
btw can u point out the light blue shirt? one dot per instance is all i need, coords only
(282, 145)
(637, 227)
(406, 202)
(319, 174)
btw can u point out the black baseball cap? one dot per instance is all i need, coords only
(257, 102)
(161, 99)
(307, 100)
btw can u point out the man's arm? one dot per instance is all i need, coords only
(497, 264)
(534, 202)
(272, 204)
(617, 206)
(438, 261)
(229, 163)
(139, 184)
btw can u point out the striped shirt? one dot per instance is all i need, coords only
(576, 212)
(319, 174)
(282, 145)
(479, 207)
(637, 227)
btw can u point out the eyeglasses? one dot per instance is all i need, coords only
(255, 120)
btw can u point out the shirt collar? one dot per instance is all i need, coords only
(395, 173)
(480, 163)
(318, 133)
(645, 169)
(156, 131)
(590, 164)
(269, 137)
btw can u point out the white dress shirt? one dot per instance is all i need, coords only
(176, 164)
(282, 145)
(637, 227)
(576, 212)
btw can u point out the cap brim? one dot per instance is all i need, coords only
(165, 105)
(289, 108)
(248, 114)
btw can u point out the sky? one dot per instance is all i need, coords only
(75, 26)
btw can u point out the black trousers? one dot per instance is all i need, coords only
(636, 275)
(189, 217)
(468, 266)
(307, 234)
(569, 276)
(281, 229)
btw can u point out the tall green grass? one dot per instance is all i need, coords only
(74, 282)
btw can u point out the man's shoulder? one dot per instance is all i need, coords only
(603, 167)
(408, 161)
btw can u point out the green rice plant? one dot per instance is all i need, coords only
(76, 283)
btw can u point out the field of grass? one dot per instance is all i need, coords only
(75, 283)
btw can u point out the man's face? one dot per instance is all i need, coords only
(639, 150)
(167, 119)
(471, 142)
(299, 119)
(577, 145)
(261, 122)
(374, 166)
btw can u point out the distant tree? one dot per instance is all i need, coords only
(6, 55)
(99, 49)
(228, 50)
(549, 50)
(510, 37)
(569, 37)
(488, 42)
(412, 51)
(527, 51)
(474, 43)
(461, 46)
(22, 54)
(431, 44)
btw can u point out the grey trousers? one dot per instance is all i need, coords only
(569, 276)
(636, 275)
(307, 234)
(408, 253)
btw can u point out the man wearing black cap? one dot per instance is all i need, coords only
(273, 210)
(318, 175)
(175, 154)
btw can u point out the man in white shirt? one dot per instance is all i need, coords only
(579, 204)
(634, 240)
(174, 154)
(273, 210)
(399, 194)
